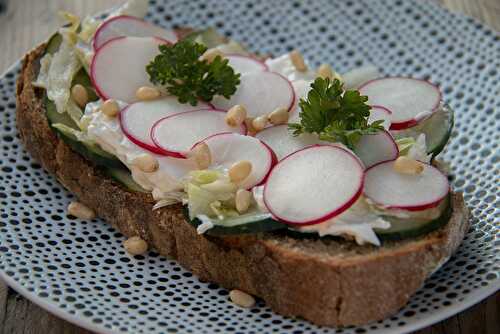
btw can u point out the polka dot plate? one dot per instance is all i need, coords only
(78, 270)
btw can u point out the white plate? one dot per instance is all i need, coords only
(78, 270)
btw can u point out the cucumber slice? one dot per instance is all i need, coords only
(53, 44)
(253, 222)
(411, 228)
(90, 151)
(437, 130)
(124, 177)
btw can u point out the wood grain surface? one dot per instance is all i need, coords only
(26, 23)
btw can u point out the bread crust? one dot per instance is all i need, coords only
(327, 282)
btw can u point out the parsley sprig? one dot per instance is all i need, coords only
(179, 68)
(335, 115)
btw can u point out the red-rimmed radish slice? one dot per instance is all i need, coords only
(301, 88)
(245, 64)
(380, 113)
(314, 184)
(409, 100)
(131, 26)
(229, 148)
(118, 68)
(390, 189)
(283, 143)
(372, 149)
(260, 93)
(138, 118)
(176, 134)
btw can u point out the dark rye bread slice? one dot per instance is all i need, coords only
(326, 281)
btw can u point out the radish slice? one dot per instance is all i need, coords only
(118, 68)
(380, 113)
(313, 185)
(301, 88)
(409, 100)
(245, 64)
(393, 190)
(260, 93)
(176, 134)
(372, 149)
(131, 26)
(138, 119)
(283, 143)
(229, 148)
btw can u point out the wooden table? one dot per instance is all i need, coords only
(28, 22)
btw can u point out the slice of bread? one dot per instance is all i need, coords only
(326, 281)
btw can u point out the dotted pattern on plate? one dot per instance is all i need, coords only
(79, 267)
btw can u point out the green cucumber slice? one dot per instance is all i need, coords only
(53, 43)
(90, 151)
(412, 227)
(437, 130)
(124, 177)
(253, 222)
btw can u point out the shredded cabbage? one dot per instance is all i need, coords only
(56, 75)
(404, 144)
(357, 222)
(418, 151)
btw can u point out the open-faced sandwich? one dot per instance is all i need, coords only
(315, 191)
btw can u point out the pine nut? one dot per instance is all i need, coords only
(147, 93)
(236, 115)
(243, 199)
(278, 116)
(110, 108)
(325, 71)
(241, 298)
(146, 163)
(80, 210)
(250, 129)
(405, 165)
(259, 123)
(201, 155)
(211, 54)
(80, 95)
(240, 171)
(135, 246)
(298, 61)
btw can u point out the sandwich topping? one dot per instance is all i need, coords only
(246, 144)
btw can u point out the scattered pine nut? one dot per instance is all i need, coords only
(298, 61)
(250, 129)
(259, 123)
(236, 115)
(146, 163)
(147, 93)
(135, 246)
(211, 54)
(405, 165)
(201, 155)
(80, 210)
(325, 71)
(243, 199)
(278, 116)
(80, 95)
(240, 171)
(110, 108)
(241, 298)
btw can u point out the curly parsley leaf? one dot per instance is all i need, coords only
(334, 114)
(185, 75)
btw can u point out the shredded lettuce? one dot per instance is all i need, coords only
(404, 144)
(56, 75)
(210, 193)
